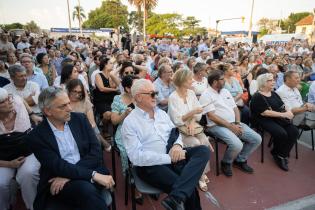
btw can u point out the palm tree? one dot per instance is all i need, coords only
(146, 5)
(78, 14)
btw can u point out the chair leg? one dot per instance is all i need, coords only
(217, 158)
(296, 150)
(262, 145)
(113, 201)
(126, 187)
(114, 164)
(312, 140)
(133, 196)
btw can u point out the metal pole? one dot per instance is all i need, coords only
(144, 20)
(79, 13)
(69, 17)
(216, 28)
(251, 21)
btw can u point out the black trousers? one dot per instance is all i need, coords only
(284, 136)
(78, 195)
(180, 179)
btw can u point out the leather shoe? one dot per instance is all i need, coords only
(281, 162)
(170, 203)
(226, 169)
(243, 166)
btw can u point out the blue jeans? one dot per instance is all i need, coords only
(236, 149)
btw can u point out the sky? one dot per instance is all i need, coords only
(53, 13)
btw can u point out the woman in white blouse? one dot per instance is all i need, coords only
(184, 109)
(14, 117)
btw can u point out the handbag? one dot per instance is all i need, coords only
(14, 145)
(280, 121)
(184, 130)
(299, 119)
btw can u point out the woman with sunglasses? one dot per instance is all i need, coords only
(184, 109)
(126, 69)
(80, 103)
(14, 118)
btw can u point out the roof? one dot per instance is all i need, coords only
(305, 21)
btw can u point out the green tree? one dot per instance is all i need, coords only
(12, 26)
(267, 26)
(289, 23)
(191, 27)
(32, 27)
(111, 14)
(78, 14)
(163, 24)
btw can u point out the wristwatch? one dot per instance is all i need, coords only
(93, 174)
(237, 123)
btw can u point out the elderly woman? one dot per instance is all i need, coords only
(14, 118)
(200, 82)
(80, 103)
(184, 110)
(163, 84)
(191, 62)
(270, 113)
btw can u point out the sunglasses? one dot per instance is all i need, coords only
(129, 73)
(152, 94)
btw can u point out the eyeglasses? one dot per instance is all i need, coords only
(8, 99)
(152, 94)
(128, 73)
(76, 92)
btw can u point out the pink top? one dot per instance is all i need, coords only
(22, 120)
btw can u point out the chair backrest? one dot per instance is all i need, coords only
(142, 186)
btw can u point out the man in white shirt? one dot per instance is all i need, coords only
(291, 96)
(155, 148)
(23, 44)
(27, 90)
(223, 121)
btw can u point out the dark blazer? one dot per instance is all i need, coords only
(44, 145)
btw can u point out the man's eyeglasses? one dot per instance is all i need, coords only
(152, 94)
(9, 99)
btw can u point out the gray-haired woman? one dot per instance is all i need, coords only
(268, 111)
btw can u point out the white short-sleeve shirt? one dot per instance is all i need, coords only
(222, 104)
(291, 97)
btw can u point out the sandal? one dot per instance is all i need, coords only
(203, 186)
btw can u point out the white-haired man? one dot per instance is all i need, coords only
(155, 148)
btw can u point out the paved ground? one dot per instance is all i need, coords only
(268, 187)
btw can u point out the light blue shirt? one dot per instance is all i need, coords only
(311, 93)
(145, 139)
(39, 79)
(67, 146)
(164, 92)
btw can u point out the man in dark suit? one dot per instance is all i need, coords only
(72, 169)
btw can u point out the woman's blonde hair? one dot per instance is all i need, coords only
(181, 76)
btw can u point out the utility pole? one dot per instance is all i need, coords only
(251, 20)
(69, 17)
(79, 18)
(144, 20)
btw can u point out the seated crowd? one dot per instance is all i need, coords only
(65, 100)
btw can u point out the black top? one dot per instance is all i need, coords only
(101, 97)
(218, 53)
(4, 81)
(261, 103)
